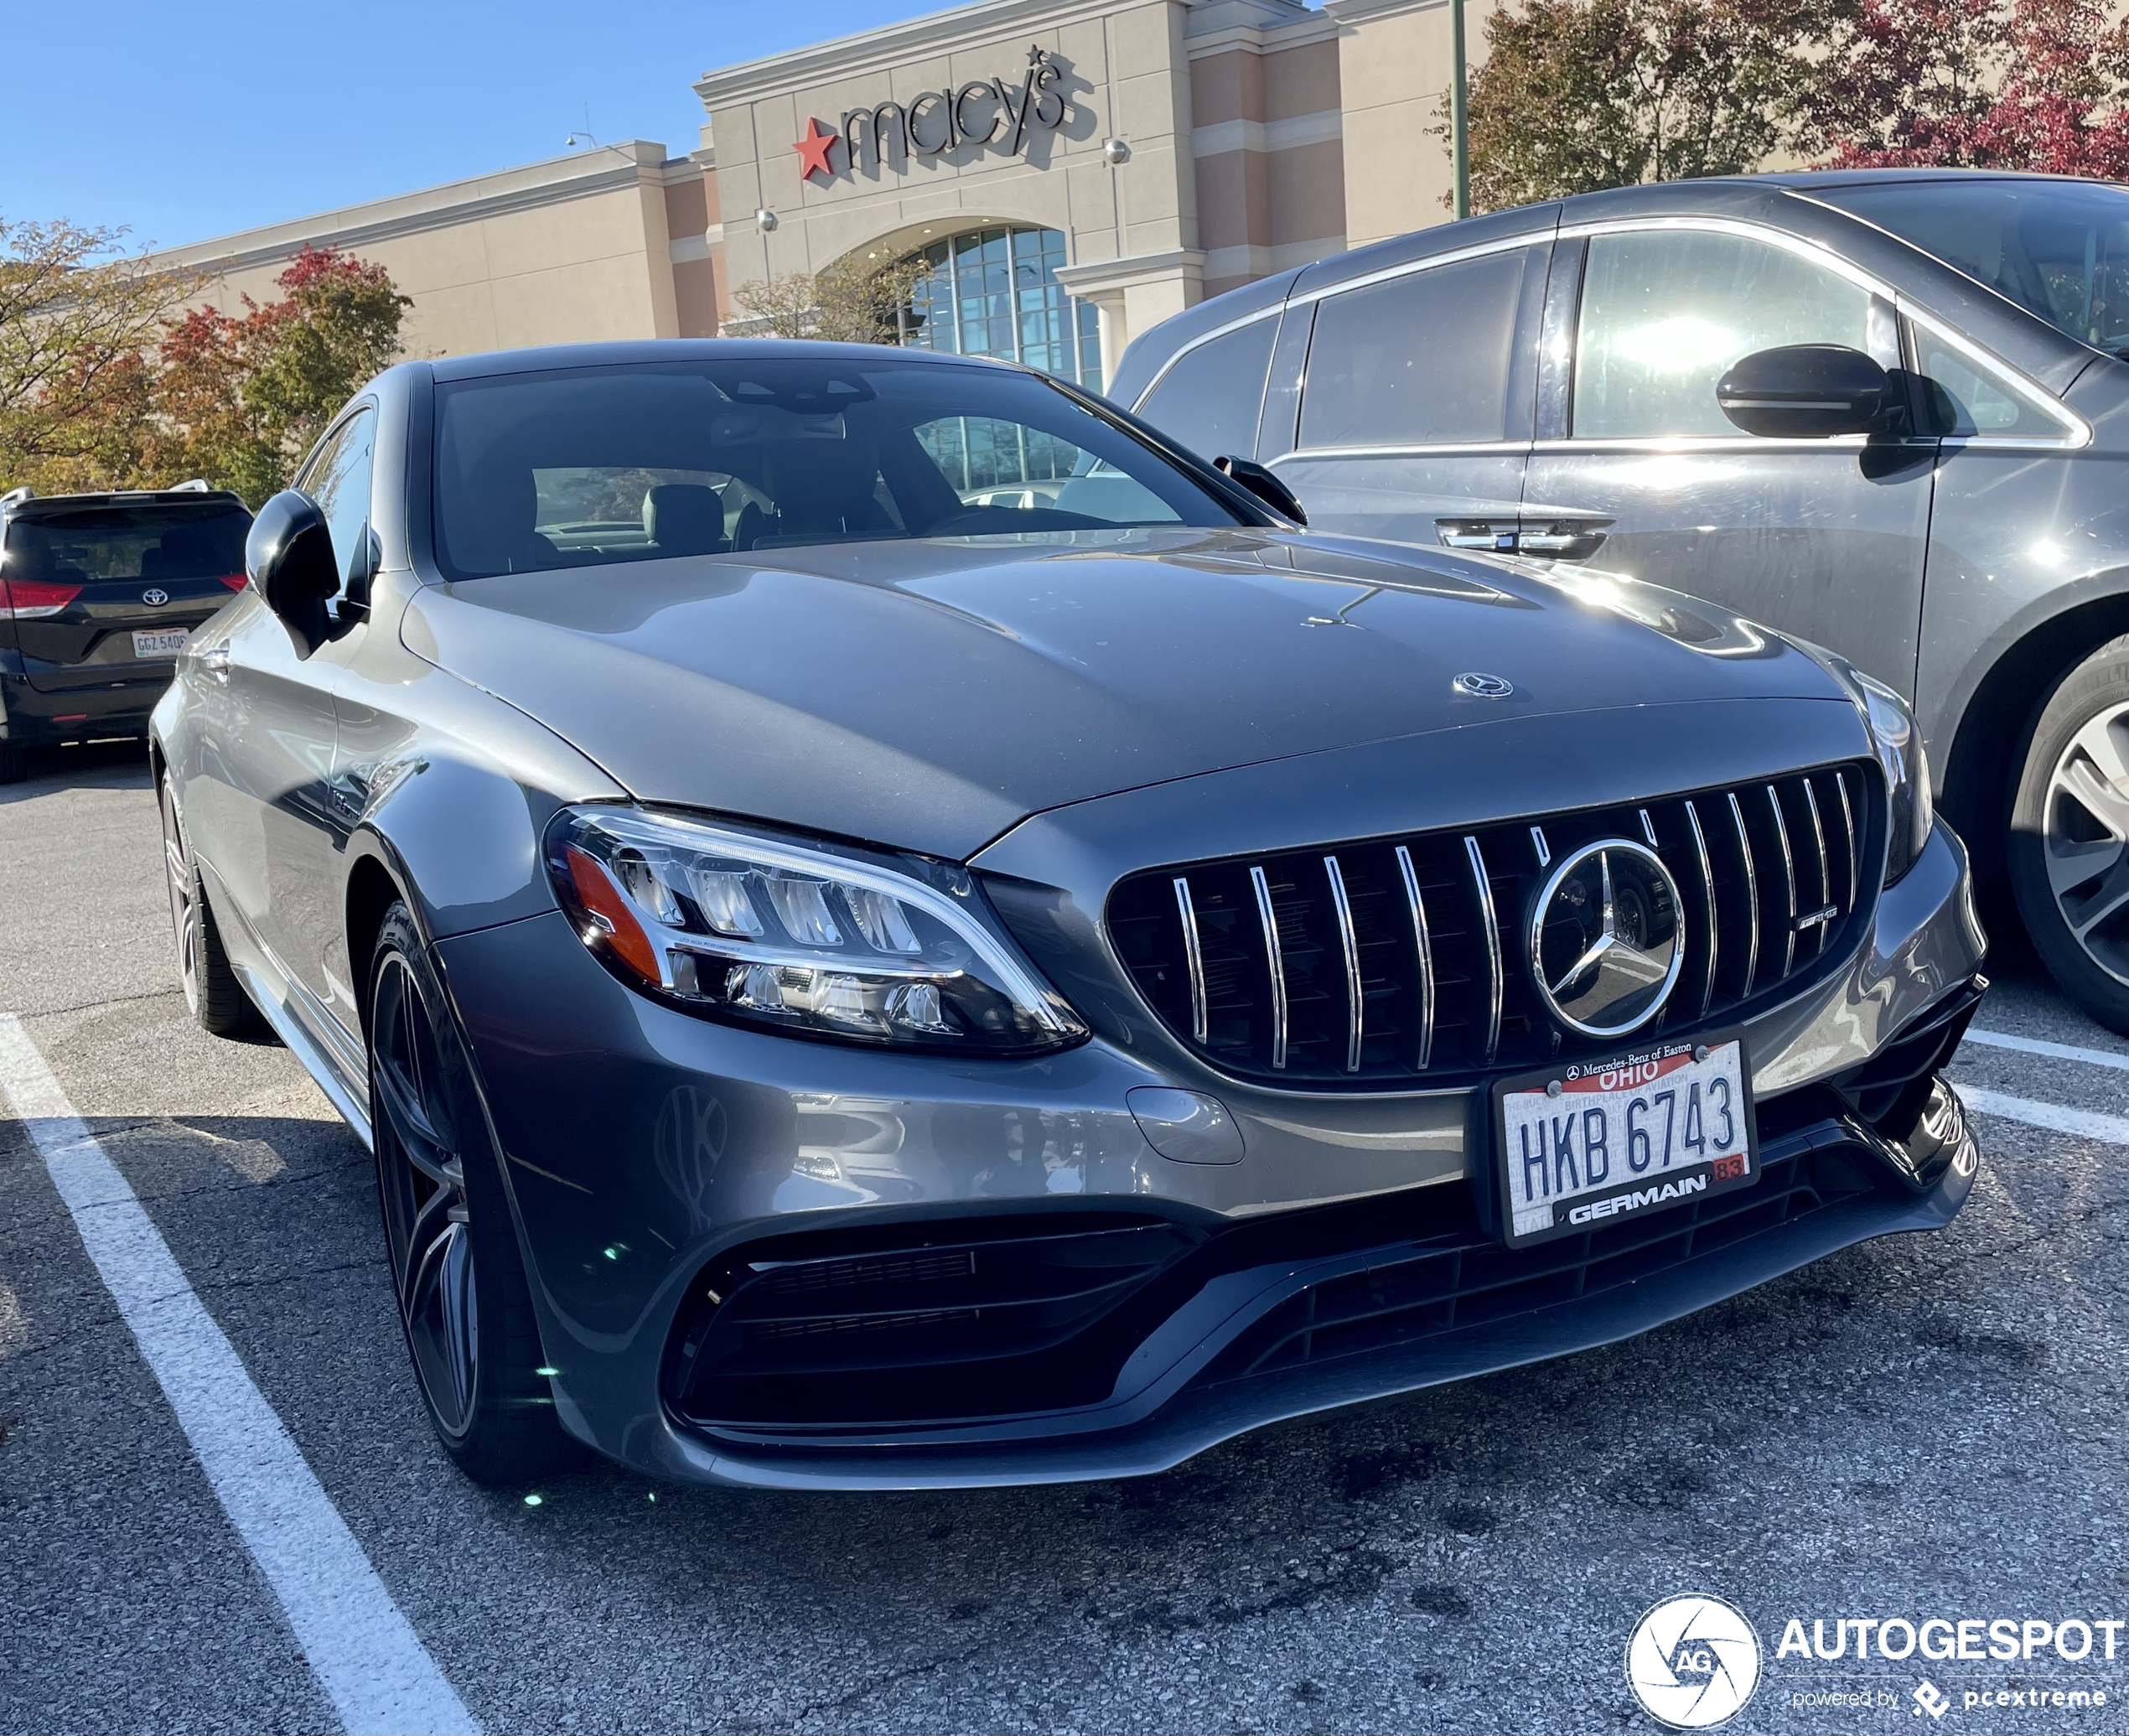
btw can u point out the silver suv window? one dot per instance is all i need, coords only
(2058, 249)
(1664, 313)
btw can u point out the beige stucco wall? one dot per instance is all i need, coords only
(1127, 75)
(563, 251)
(1250, 135)
(1266, 143)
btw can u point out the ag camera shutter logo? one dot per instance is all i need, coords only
(1693, 1662)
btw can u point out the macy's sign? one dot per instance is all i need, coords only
(975, 113)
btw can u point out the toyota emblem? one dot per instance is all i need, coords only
(155, 596)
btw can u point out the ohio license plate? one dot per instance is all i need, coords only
(1581, 1147)
(166, 643)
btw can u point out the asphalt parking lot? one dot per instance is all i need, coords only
(1920, 1426)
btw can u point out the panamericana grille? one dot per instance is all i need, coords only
(1407, 959)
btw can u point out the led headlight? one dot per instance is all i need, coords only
(1898, 739)
(1910, 814)
(813, 941)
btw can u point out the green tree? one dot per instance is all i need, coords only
(1578, 95)
(76, 317)
(239, 399)
(846, 303)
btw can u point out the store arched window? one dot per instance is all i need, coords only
(994, 291)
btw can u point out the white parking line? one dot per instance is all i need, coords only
(370, 1662)
(2082, 1122)
(2057, 1051)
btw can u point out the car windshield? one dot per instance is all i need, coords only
(86, 544)
(2059, 248)
(588, 466)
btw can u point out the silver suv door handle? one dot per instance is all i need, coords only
(1542, 534)
(1496, 536)
(1563, 539)
(214, 660)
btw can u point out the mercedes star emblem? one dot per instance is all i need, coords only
(1474, 686)
(155, 596)
(1605, 946)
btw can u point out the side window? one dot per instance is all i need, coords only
(339, 480)
(1965, 399)
(1665, 312)
(1420, 360)
(1209, 400)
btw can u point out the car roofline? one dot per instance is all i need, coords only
(620, 352)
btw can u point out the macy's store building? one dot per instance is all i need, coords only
(1071, 171)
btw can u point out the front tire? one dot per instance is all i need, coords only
(2069, 848)
(463, 1300)
(212, 992)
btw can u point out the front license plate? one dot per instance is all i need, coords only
(1585, 1146)
(167, 643)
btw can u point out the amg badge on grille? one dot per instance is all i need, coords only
(1605, 946)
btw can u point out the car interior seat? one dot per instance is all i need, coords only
(824, 491)
(685, 518)
(493, 528)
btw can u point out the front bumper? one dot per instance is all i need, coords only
(648, 1152)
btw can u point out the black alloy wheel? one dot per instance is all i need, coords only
(212, 992)
(456, 1266)
(2070, 834)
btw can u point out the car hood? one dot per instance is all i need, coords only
(929, 695)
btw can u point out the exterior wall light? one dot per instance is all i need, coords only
(765, 220)
(1116, 151)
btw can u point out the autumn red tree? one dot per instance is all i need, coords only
(239, 398)
(2040, 85)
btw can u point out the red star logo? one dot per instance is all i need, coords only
(813, 151)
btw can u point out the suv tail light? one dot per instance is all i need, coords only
(235, 580)
(22, 599)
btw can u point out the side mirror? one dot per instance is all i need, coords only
(288, 558)
(1264, 483)
(1807, 391)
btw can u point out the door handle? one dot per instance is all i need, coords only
(214, 660)
(1541, 535)
(1563, 539)
(1495, 536)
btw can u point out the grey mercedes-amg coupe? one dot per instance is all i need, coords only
(887, 926)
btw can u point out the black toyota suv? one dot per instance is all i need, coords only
(98, 594)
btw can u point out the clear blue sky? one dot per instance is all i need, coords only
(184, 122)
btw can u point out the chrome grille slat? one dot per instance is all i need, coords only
(1751, 896)
(1496, 983)
(1356, 1008)
(1848, 819)
(1825, 870)
(1194, 954)
(1275, 963)
(1788, 880)
(1707, 890)
(1424, 948)
(1404, 962)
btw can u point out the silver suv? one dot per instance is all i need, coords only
(1887, 410)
